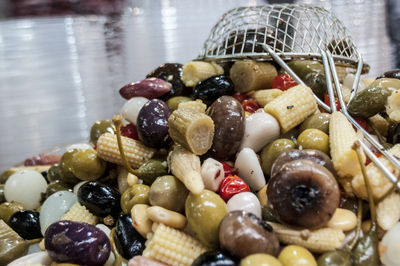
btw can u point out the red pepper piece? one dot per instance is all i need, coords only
(230, 186)
(368, 161)
(129, 131)
(326, 100)
(228, 170)
(250, 105)
(362, 122)
(283, 82)
(240, 96)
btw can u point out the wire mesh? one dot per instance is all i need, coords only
(292, 31)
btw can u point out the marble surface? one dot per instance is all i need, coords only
(58, 75)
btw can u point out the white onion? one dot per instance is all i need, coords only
(249, 169)
(79, 146)
(54, 207)
(260, 129)
(245, 201)
(212, 173)
(25, 187)
(390, 246)
(131, 108)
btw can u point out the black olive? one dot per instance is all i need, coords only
(171, 72)
(393, 74)
(396, 135)
(99, 199)
(212, 88)
(26, 224)
(214, 258)
(128, 241)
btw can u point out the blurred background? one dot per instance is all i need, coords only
(62, 62)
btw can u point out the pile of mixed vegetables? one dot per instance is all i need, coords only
(216, 164)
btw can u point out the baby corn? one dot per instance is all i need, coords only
(195, 106)
(79, 213)
(172, 246)
(292, 107)
(317, 241)
(341, 139)
(136, 153)
(263, 97)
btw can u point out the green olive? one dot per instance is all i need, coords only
(334, 258)
(100, 127)
(260, 259)
(66, 168)
(5, 175)
(9, 208)
(168, 192)
(87, 165)
(369, 102)
(56, 186)
(11, 249)
(136, 194)
(150, 170)
(314, 139)
(303, 67)
(317, 82)
(317, 121)
(294, 255)
(272, 151)
(175, 101)
(54, 173)
(205, 212)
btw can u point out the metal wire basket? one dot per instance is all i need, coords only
(292, 31)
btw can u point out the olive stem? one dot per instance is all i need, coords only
(117, 121)
(358, 228)
(119, 260)
(357, 148)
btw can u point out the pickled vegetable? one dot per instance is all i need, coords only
(369, 102)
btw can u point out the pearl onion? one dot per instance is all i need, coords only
(245, 201)
(131, 108)
(390, 244)
(54, 207)
(25, 187)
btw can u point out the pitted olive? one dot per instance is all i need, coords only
(87, 165)
(294, 255)
(7, 209)
(312, 155)
(317, 121)
(100, 127)
(66, 168)
(136, 194)
(314, 139)
(303, 194)
(242, 234)
(168, 192)
(260, 259)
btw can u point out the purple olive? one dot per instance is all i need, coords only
(78, 243)
(149, 88)
(152, 123)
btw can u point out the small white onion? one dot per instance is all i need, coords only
(38, 258)
(349, 80)
(390, 246)
(25, 187)
(260, 129)
(245, 201)
(249, 169)
(54, 207)
(131, 108)
(212, 173)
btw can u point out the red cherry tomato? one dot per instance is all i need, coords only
(129, 131)
(283, 82)
(326, 100)
(240, 96)
(230, 186)
(228, 170)
(250, 105)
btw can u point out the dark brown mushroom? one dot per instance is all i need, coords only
(303, 194)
